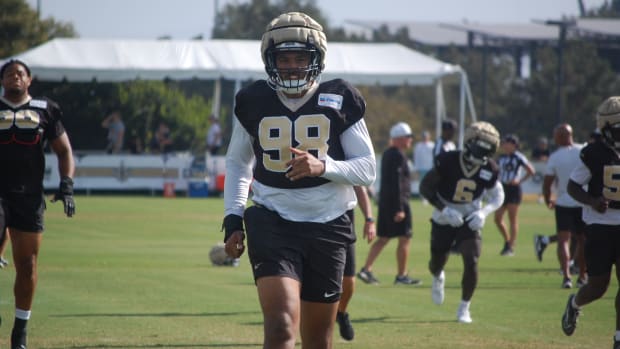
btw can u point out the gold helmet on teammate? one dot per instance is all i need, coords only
(481, 141)
(293, 31)
(608, 121)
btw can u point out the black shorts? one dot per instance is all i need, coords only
(312, 253)
(349, 265)
(512, 194)
(22, 211)
(602, 248)
(444, 236)
(569, 219)
(387, 228)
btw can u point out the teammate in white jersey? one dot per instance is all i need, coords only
(302, 145)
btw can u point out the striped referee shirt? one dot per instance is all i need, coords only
(511, 166)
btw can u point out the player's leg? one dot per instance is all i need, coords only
(617, 335)
(280, 304)
(563, 251)
(317, 324)
(442, 238)
(365, 274)
(402, 254)
(470, 252)
(348, 288)
(498, 218)
(25, 247)
(513, 211)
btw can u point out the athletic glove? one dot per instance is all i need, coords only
(65, 194)
(475, 220)
(452, 217)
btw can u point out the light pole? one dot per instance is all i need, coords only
(562, 27)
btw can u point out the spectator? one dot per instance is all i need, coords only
(423, 154)
(511, 164)
(161, 141)
(394, 218)
(214, 135)
(444, 142)
(541, 150)
(116, 132)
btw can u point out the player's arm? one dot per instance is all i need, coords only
(581, 175)
(428, 188)
(546, 190)
(529, 171)
(364, 203)
(66, 168)
(494, 198)
(359, 166)
(239, 160)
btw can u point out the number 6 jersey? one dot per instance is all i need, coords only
(326, 122)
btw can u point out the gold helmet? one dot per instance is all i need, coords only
(294, 31)
(608, 121)
(481, 141)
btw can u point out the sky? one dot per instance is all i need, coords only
(185, 19)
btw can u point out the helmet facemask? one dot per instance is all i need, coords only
(608, 121)
(611, 135)
(477, 151)
(279, 79)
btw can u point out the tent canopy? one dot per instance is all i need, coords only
(122, 60)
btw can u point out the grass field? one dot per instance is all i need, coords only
(134, 272)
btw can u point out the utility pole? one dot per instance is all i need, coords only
(39, 9)
(562, 27)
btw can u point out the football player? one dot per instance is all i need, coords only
(26, 124)
(599, 169)
(464, 188)
(301, 145)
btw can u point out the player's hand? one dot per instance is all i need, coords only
(370, 231)
(600, 204)
(399, 216)
(65, 194)
(452, 217)
(303, 165)
(234, 245)
(551, 204)
(475, 220)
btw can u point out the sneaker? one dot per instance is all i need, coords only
(406, 280)
(539, 246)
(581, 282)
(567, 283)
(18, 339)
(3, 263)
(437, 291)
(569, 318)
(463, 315)
(346, 329)
(507, 250)
(367, 277)
(574, 268)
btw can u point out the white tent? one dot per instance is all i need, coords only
(238, 60)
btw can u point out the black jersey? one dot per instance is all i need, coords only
(23, 132)
(315, 127)
(604, 165)
(460, 185)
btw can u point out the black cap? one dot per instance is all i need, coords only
(448, 124)
(512, 139)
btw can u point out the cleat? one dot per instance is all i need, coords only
(569, 318)
(567, 283)
(581, 282)
(437, 290)
(3, 263)
(539, 246)
(616, 343)
(346, 329)
(406, 280)
(507, 251)
(18, 339)
(462, 315)
(367, 277)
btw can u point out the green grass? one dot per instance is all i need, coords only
(134, 272)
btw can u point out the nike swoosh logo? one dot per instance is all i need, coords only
(257, 265)
(329, 294)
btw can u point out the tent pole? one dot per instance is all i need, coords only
(462, 112)
(217, 97)
(440, 107)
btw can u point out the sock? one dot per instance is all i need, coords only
(465, 304)
(618, 335)
(21, 320)
(574, 304)
(545, 240)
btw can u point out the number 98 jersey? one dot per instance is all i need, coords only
(315, 126)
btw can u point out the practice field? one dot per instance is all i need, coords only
(134, 272)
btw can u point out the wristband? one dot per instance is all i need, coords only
(231, 223)
(370, 220)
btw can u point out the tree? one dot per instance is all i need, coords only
(21, 28)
